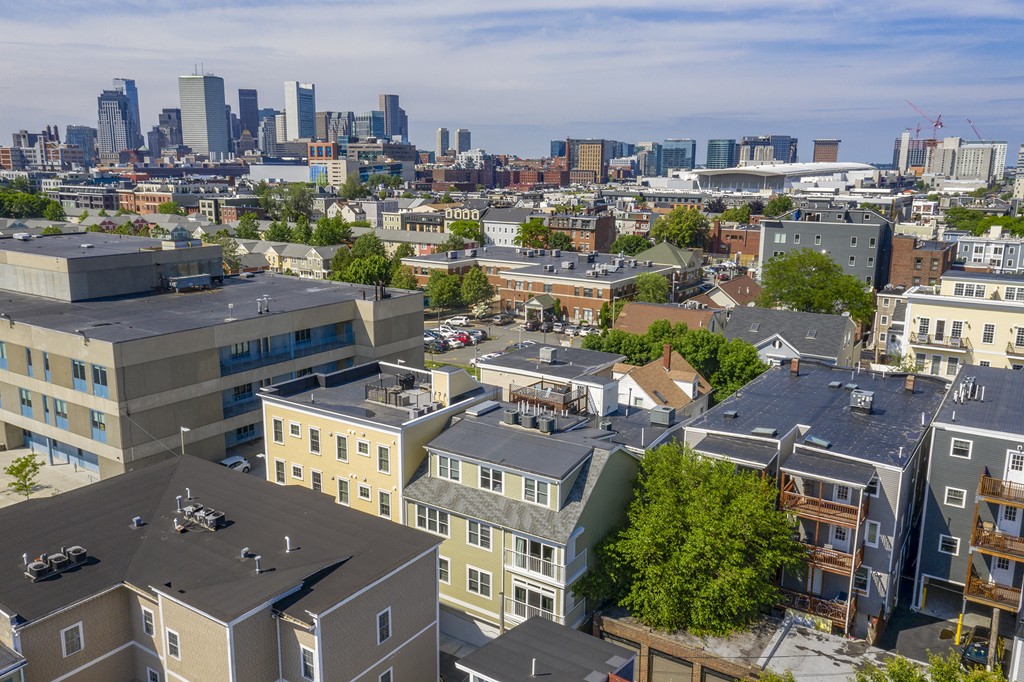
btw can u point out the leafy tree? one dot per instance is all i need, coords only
(447, 199)
(683, 227)
(756, 207)
(229, 249)
(475, 287)
(170, 208)
(810, 281)
(444, 289)
(778, 205)
(339, 261)
(278, 232)
(467, 229)
(560, 240)
(403, 278)
(609, 313)
(361, 223)
(85, 214)
(102, 213)
(739, 215)
(52, 229)
(54, 211)
(123, 210)
(533, 234)
(454, 242)
(630, 244)
(403, 250)
(701, 548)
(651, 288)
(387, 180)
(367, 245)
(353, 189)
(716, 205)
(23, 472)
(22, 184)
(949, 669)
(738, 365)
(408, 195)
(248, 227)
(301, 233)
(370, 269)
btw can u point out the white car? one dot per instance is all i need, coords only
(459, 321)
(454, 342)
(236, 462)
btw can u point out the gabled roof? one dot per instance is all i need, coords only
(811, 334)
(743, 290)
(508, 215)
(660, 383)
(667, 254)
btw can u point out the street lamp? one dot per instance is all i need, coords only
(184, 430)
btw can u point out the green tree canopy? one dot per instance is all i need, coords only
(630, 244)
(369, 269)
(444, 289)
(301, 232)
(454, 242)
(701, 549)
(683, 227)
(756, 207)
(353, 189)
(533, 234)
(475, 287)
(940, 669)
(810, 281)
(54, 211)
(560, 240)
(446, 198)
(23, 472)
(368, 244)
(977, 223)
(387, 180)
(248, 227)
(467, 229)
(339, 261)
(52, 229)
(278, 231)
(403, 278)
(18, 204)
(778, 205)
(170, 208)
(330, 231)
(651, 288)
(740, 214)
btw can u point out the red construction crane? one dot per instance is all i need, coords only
(975, 129)
(936, 124)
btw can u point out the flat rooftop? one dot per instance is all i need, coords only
(569, 363)
(533, 262)
(71, 246)
(987, 398)
(993, 276)
(140, 316)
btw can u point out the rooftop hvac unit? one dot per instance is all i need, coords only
(58, 561)
(452, 255)
(730, 414)
(569, 265)
(21, 236)
(37, 569)
(511, 416)
(546, 424)
(77, 554)
(557, 253)
(764, 432)
(606, 425)
(528, 421)
(861, 400)
(662, 415)
(548, 355)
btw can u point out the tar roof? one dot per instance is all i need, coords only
(569, 362)
(128, 318)
(814, 334)
(200, 568)
(755, 452)
(779, 400)
(557, 653)
(815, 465)
(1002, 408)
(71, 245)
(967, 274)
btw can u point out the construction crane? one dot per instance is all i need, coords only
(975, 129)
(936, 124)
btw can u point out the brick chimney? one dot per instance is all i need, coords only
(794, 366)
(666, 357)
(908, 383)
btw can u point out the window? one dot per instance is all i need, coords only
(988, 333)
(295, 430)
(862, 580)
(448, 468)
(949, 545)
(969, 290)
(385, 676)
(383, 459)
(316, 481)
(384, 625)
(99, 426)
(432, 520)
(871, 529)
(341, 443)
(60, 413)
(478, 582)
(490, 479)
(78, 375)
(99, 381)
(871, 262)
(817, 240)
(871, 489)
(173, 645)
(3, 355)
(308, 663)
(853, 261)
(960, 448)
(71, 640)
(842, 493)
(279, 471)
(952, 362)
(853, 242)
(796, 238)
(147, 622)
(303, 336)
(956, 497)
(278, 430)
(444, 570)
(535, 491)
(363, 447)
(239, 349)
(780, 237)
(152, 675)
(365, 493)
(384, 503)
(479, 535)
(297, 471)
(243, 392)
(871, 243)
(1019, 339)
(956, 329)
(923, 324)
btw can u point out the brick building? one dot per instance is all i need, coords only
(587, 232)
(742, 242)
(916, 261)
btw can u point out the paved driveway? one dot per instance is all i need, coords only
(498, 337)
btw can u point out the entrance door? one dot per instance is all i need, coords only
(1014, 466)
(1009, 520)
(936, 364)
(840, 539)
(1002, 571)
(817, 575)
(940, 329)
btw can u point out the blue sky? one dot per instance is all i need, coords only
(519, 74)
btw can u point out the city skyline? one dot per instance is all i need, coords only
(700, 73)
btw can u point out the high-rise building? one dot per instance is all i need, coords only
(721, 153)
(826, 150)
(300, 110)
(442, 141)
(267, 136)
(333, 125)
(760, 149)
(116, 128)
(234, 127)
(281, 128)
(463, 143)
(370, 124)
(651, 157)
(395, 121)
(557, 149)
(169, 125)
(84, 138)
(679, 154)
(910, 153)
(204, 127)
(127, 86)
(248, 110)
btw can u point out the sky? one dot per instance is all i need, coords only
(519, 74)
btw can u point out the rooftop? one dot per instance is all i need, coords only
(73, 245)
(636, 317)
(815, 334)
(987, 398)
(993, 276)
(789, 169)
(569, 363)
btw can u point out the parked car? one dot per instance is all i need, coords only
(572, 330)
(458, 321)
(428, 337)
(477, 335)
(502, 319)
(531, 325)
(436, 346)
(455, 342)
(236, 462)
(547, 326)
(558, 327)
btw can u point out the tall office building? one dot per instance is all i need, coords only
(248, 110)
(557, 149)
(396, 124)
(651, 158)
(761, 149)
(169, 124)
(204, 126)
(127, 86)
(281, 127)
(300, 110)
(721, 153)
(442, 141)
(679, 154)
(826, 150)
(267, 136)
(463, 143)
(369, 124)
(909, 153)
(116, 128)
(84, 138)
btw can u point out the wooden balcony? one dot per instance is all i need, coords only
(989, 540)
(992, 594)
(825, 511)
(1001, 492)
(834, 610)
(833, 560)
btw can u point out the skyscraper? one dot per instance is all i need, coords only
(84, 138)
(393, 117)
(721, 153)
(442, 141)
(127, 86)
(679, 154)
(369, 124)
(248, 110)
(826, 150)
(299, 110)
(204, 127)
(116, 128)
(169, 124)
(463, 142)
(651, 157)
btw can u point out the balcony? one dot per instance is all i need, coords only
(833, 560)
(992, 594)
(1014, 349)
(1001, 492)
(517, 611)
(954, 343)
(541, 567)
(835, 610)
(989, 540)
(817, 509)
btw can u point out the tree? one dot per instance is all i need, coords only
(812, 282)
(560, 240)
(295, 200)
(229, 249)
(609, 313)
(651, 288)
(701, 548)
(300, 233)
(446, 198)
(371, 269)
(778, 205)
(23, 472)
(403, 278)
(170, 208)
(716, 205)
(277, 232)
(454, 242)
(683, 227)
(22, 184)
(85, 214)
(54, 211)
(444, 289)
(739, 215)
(52, 229)
(102, 213)
(533, 234)
(403, 250)
(948, 668)
(475, 287)
(468, 230)
(630, 244)
(352, 188)
(367, 245)
(756, 207)
(738, 365)
(248, 227)
(339, 261)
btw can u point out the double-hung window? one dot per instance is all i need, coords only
(490, 479)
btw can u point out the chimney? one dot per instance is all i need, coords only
(908, 383)
(666, 357)
(794, 366)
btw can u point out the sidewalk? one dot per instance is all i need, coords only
(52, 479)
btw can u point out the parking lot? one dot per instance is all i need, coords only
(498, 338)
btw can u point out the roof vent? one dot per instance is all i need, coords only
(850, 387)
(483, 408)
(764, 432)
(86, 246)
(861, 401)
(730, 414)
(819, 442)
(835, 384)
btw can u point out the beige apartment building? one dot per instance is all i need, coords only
(177, 572)
(358, 434)
(115, 350)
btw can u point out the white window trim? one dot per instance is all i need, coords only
(167, 643)
(481, 526)
(152, 618)
(391, 628)
(426, 527)
(388, 449)
(956, 552)
(451, 461)
(291, 430)
(368, 489)
(945, 497)
(348, 488)
(439, 560)
(490, 581)
(867, 591)
(362, 441)
(150, 672)
(302, 650)
(878, 534)
(81, 639)
(302, 472)
(391, 509)
(970, 447)
(319, 443)
(389, 673)
(273, 422)
(343, 437)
